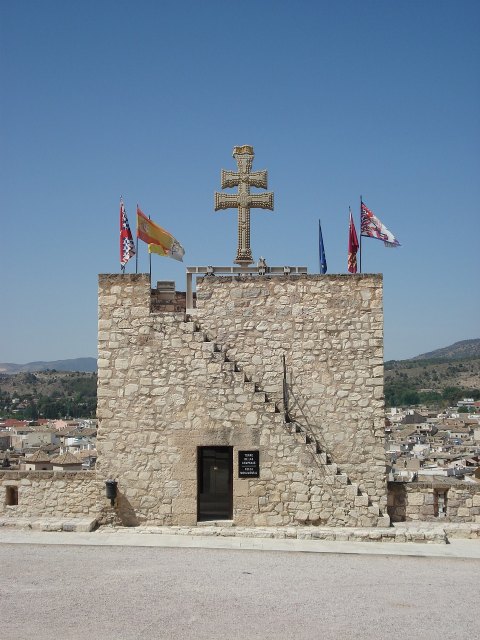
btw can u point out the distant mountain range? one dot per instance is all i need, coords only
(457, 351)
(75, 364)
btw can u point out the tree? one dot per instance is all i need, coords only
(453, 394)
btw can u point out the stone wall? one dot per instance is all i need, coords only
(411, 501)
(51, 493)
(330, 329)
(167, 386)
(165, 301)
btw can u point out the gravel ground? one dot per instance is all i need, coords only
(125, 593)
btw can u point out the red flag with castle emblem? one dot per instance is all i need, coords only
(127, 246)
(352, 246)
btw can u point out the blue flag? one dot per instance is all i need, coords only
(321, 251)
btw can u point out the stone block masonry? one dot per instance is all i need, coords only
(168, 385)
(68, 494)
(439, 500)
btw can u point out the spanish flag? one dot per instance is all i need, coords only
(159, 241)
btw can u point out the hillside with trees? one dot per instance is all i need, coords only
(443, 378)
(48, 394)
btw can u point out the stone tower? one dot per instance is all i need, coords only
(200, 421)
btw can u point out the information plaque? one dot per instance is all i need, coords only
(248, 464)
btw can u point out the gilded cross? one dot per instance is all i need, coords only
(244, 200)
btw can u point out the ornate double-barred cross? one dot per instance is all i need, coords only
(244, 200)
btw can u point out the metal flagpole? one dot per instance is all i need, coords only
(150, 264)
(319, 257)
(122, 266)
(136, 247)
(360, 244)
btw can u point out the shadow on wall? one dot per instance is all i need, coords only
(125, 512)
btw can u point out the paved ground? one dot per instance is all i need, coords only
(457, 547)
(131, 592)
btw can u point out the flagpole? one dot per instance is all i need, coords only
(150, 264)
(360, 247)
(319, 256)
(136, 246)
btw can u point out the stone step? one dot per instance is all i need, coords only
(259, 397)
(384, 521)
(239, 376)
(352, 490)
(332, 469)
(189, 327)
(362, 501)
(270, 407)
(291, 428)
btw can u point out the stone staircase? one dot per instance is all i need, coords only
(333, 476)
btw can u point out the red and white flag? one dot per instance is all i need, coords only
(373, 228)
(127, 246)
(352, 246)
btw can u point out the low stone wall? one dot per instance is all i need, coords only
(50, 494)
(409, 501)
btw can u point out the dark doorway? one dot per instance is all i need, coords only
(215, 471)
(11, 496)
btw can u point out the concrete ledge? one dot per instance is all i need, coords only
(50, 524)
(461, 530)
(427, 534)
(405, 532)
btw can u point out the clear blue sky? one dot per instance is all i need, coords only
(147, 99)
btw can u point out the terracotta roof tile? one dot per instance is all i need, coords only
(65, 459)
(38, 456)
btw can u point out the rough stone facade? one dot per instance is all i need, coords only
(412, 501)
(69, 494)
(168, 384)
